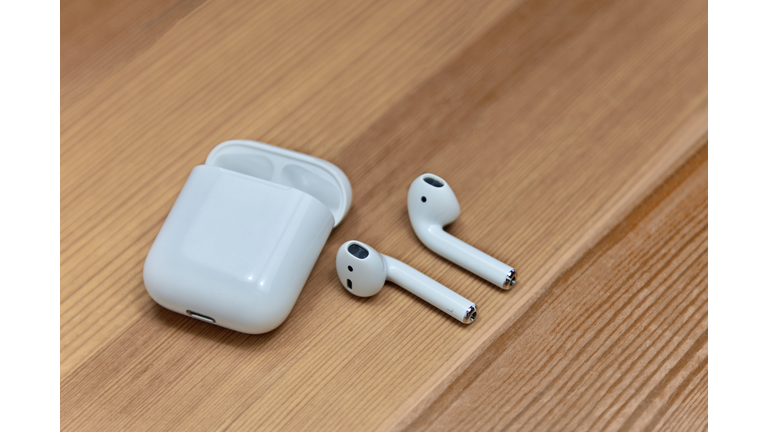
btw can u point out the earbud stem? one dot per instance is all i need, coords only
(464, 255)
(429, 290)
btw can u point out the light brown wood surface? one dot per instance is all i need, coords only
(573, 133)
(625, 333)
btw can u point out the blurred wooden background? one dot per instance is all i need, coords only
(574, 134)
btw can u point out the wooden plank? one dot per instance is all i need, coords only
(128, 145)
(550, 119)
(618, 342)
(99, 37)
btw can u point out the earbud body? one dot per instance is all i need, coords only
(363, 271)
(432, 205)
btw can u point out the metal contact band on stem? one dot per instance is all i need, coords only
(470, 315)
(510, 280)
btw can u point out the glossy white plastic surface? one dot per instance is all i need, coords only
(365, 277)
(237, 248)
(428, 289)
(432, 207)
(316, 177)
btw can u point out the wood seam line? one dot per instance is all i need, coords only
(653, 358)
(161, 198)
(566, 276)
(627, 224)
(604, 304)
(652, 200)
(598, 237)
(534, 293)
(695, 236)
(627, 302)
(597, 334)
(614, 385)
(692, 129)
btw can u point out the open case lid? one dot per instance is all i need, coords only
(316, 177)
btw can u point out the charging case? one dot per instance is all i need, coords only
(244, 234)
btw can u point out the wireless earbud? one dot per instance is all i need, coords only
(432, 205)
(363, 272)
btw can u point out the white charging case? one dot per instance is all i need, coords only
(244, 234)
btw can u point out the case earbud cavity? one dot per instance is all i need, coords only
(244, 234)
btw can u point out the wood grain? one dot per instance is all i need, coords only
(552, 120)
(625, 330)
(98, 37)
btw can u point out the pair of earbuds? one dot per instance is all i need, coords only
(431, 206)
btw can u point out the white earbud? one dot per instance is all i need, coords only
(363, 272)
(432, 205)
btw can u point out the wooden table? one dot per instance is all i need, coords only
(574, 134)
